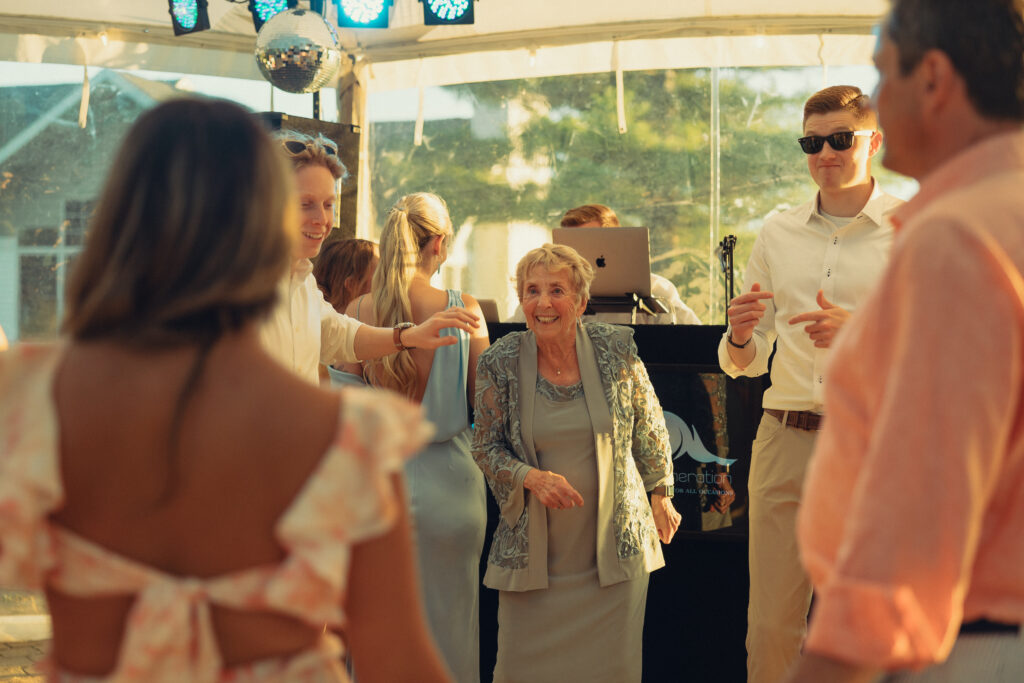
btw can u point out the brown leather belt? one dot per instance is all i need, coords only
(801, 419)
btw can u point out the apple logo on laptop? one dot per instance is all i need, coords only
(600, 262)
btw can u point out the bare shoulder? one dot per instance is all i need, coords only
(426, 301)
(470, 303)
(361, 309)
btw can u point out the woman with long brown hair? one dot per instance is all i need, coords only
(193, 510)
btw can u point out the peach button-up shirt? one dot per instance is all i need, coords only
(913, 509)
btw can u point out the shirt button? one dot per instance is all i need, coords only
(820, 379)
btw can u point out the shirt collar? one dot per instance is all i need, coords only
(302, 267)
(874, 209)
(993, 155)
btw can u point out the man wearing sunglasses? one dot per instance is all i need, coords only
(914, 504)
(809, 267)
(303, 330)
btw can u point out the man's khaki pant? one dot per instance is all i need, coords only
(780, 592)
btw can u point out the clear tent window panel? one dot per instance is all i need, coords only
(706, 153)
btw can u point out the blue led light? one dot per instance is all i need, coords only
(448, 10)
(265, 9)
(363, 11)
(186, 13)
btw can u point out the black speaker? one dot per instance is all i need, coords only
(346, 136)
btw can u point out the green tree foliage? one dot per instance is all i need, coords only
(657, 174)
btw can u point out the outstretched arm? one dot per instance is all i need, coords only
(374, 342)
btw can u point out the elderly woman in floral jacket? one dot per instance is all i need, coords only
(571, 439)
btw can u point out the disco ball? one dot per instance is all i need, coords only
(298, 51)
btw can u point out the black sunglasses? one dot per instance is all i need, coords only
(298, 147)
(839, 141)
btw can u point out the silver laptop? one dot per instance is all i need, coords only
(621, 258)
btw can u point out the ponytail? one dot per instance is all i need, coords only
(411, 224)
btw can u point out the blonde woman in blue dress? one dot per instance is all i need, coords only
(446, 490)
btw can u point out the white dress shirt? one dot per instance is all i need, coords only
(661, 288)
(797, 253)
(303, 330)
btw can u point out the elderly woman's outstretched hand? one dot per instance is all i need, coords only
(666, 518)
(553, 490)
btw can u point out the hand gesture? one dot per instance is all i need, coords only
(745, 312)
(553, 490)
(725, 495)
(825, 323)
(666, 519)
(426, 335)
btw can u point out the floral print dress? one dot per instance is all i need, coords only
(169, 635)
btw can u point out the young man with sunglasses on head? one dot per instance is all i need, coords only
(914, 504)
(809, 268)
(303, 330)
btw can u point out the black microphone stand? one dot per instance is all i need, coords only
(725, 253)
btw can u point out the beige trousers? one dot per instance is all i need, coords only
(780, 592)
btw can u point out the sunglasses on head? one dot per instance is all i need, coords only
(294, 147)
(839, 141)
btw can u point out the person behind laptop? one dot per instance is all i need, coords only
(600, 216)
(812, 264)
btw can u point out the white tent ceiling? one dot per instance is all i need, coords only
(511, 38)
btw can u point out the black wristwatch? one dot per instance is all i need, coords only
(667, 490)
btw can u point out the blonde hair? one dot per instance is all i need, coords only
(318, 151)
(188, 240)
(412, 223)
(555, 257)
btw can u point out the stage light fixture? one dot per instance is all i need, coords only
(442, 12)
(363, 13)
(262, 10)
(188, 16)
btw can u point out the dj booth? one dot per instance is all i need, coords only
(696, 619)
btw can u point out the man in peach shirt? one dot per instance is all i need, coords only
(914, 502)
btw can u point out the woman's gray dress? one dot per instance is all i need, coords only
(574, 630)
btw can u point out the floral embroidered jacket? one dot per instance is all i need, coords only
(632, 446)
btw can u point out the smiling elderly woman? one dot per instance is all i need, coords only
(570, 437)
